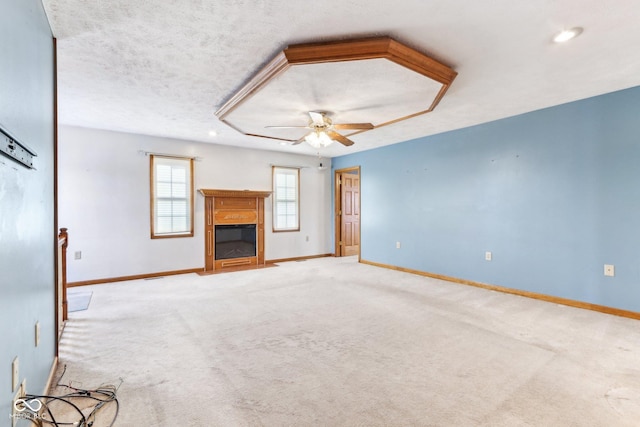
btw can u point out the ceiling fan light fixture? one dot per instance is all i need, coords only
(318, 139)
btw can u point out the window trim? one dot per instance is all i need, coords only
(152, 198)
(275, 199)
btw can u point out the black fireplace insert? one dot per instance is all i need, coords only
(235, 241)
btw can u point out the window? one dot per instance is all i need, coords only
(171, 197)
(286, 199)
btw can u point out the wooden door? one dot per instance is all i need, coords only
(350, 213)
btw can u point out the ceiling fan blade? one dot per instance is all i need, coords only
(317, 118)
(286, 127)
(341, 139)
(353, 126)
(300, 140)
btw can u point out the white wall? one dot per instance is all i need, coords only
(104, 201)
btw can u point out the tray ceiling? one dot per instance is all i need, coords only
(378, 81)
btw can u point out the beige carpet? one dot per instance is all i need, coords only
(330, 342)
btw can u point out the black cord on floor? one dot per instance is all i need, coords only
(103, 396)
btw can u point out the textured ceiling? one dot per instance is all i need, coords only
(164, 67)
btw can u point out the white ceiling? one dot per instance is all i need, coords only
(164, 67)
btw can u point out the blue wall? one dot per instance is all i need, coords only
(554, 195)
(27, 233)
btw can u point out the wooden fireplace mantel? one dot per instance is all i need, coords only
(232, 207)
(234, 193)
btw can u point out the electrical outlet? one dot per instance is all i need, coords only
(37, 333)
(307, 238)
(488, 256)
(609, 270)
(15, 374)
(77, 255)
(397, 245)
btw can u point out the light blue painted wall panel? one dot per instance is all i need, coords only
(552, 194)
(27, 234)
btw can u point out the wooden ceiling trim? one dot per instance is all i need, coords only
(380, 47)
(276, 66)
(350, 50)
(420, 63)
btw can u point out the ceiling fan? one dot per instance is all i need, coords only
(323, 130)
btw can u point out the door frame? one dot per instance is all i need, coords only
(337, 208)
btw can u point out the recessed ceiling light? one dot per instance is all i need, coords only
(213, 133)
(283, 143)
(566, 35)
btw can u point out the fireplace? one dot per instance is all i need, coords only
(235, 241)
(234, 228)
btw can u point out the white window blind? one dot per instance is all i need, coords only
(286, 203)
(172, 197)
